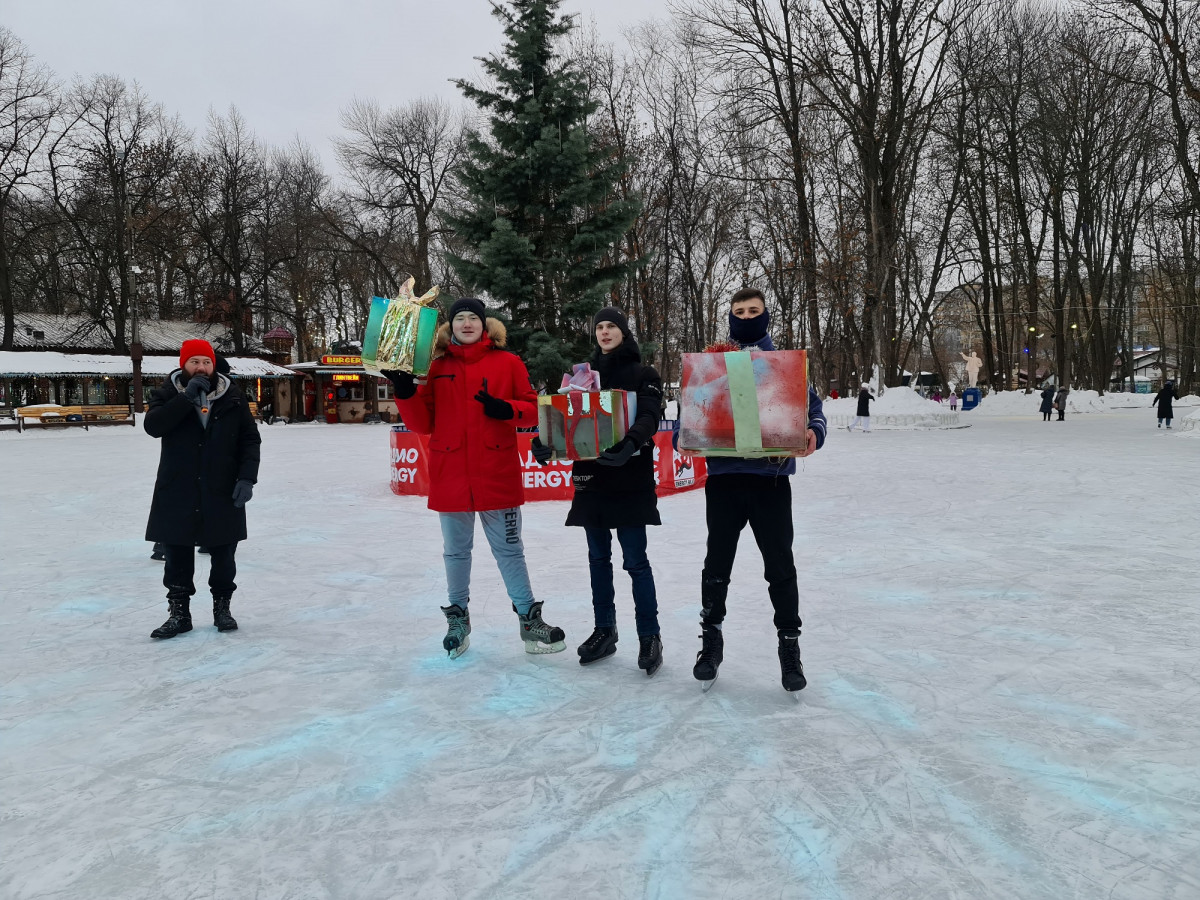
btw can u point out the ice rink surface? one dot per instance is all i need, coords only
(1000, 637)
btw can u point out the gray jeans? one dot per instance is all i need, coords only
(502, 527)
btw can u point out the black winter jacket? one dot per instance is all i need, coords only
(864, 403)
(618, 496)
(1047, 401)
(1163, 401)
(198, 465)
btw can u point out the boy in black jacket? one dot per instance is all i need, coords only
(616, 491)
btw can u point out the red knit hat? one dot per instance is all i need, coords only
(196, 347)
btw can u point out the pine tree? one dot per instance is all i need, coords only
(543, 221)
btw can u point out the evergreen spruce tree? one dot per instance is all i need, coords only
(543, 222)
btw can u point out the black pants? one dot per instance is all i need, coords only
(180, 568)
(765, 504)
(1045, 417)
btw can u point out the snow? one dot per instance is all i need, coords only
(1000, 639)
(897, 407)
(1018, 403)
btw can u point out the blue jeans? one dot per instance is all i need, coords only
(502, 527)
(633, 551)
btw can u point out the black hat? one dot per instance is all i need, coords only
(614, 315)
(468, 304)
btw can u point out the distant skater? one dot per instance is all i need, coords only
(1047, 403)
(1163, 401)
(863, 414)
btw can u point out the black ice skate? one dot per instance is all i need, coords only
(180, 619)
(712, 651)
(790, 667)
(221, 617)
(458, 627)
(537, 635)
(601, 645)
(650, 653)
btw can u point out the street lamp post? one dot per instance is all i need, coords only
(135, 345)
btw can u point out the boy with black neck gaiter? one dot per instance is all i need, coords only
(758, 493)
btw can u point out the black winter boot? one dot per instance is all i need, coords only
(221, 617)
(157, 552)
(712, 651)
(789, 663)
(602, 644)
(650, 653)
(180, 619)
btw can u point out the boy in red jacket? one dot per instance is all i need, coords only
(475, 397)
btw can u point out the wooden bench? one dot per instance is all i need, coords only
(51, 414)
(47, 414)
(109, 415)
(253, 409)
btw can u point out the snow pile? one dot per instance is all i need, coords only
(1018, 403)
(898, 407)
(905, 401)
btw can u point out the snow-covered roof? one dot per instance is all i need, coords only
(84, 333)
(47, 363)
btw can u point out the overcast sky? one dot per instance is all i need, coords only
(290, 66)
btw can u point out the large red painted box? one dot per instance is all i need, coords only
(744, 403)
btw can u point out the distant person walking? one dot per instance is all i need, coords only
(1047, 403)
(953, 401)
(1060, 401)
(1163, 401)
(863, 414)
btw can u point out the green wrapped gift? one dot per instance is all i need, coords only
(401, 332)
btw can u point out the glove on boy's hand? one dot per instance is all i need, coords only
(541, 452)
(242, 492)
(494, 407)
(618, 455)
(196, 386)
(403, 383)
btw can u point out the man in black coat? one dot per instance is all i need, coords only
(207, 469)
(617, 492)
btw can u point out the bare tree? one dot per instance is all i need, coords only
(27, 108)
(399, 162)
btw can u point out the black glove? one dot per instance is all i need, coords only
(196, 386)
(242, 492)
(494, 407)
(403, 383)
(618, 455)
(541, 452)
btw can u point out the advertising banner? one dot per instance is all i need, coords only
(674, 472)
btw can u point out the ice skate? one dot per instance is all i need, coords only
(790, 667)
(650, 653)
(708, 660)
(537, 635)
(601, 645)
(179, 621)
(458, 627)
